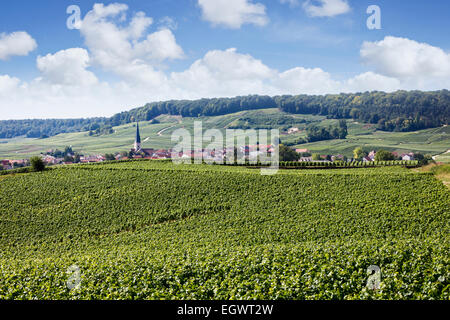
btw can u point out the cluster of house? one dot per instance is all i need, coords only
(405, 156)
(292, 131)
(252, 151)
(217, 155)
(323, 158)
(51, 160)
(369, 158)
(148, 153)
(11, 164)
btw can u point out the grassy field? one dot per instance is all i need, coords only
(154, 230)
(444, 157)
(433, 141)
(430, 141)
(442, 172)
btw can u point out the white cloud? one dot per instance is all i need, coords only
(229, 64)
(8, 84)
(108, 44)
(67, 67)
(41, 99)
(233, 13)
(230, 73)
(17, 43)
(303, 80)
(128, 51)
(370, 81)
(404, 58)
(100, 11)
(159, 46)
(326, 8)
(222, 73)
(139, 24)
(168, 23)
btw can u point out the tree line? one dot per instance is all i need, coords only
(397, 111)
(37, 128)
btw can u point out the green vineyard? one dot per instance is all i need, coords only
(155, 230)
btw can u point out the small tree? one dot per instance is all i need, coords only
(68, 151)
(37, 164)
(110, 157)
(359, 153)
(68, 158)
(288, 154)
(384, 155)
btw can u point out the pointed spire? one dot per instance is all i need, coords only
(138, 136)
(137, 142)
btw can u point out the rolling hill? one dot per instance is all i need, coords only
(434, 141)
(400, 111)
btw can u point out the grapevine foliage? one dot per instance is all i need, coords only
(154, 230)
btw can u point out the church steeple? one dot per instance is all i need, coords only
(137, 142)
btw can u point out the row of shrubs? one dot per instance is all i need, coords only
(337, 164)
(282, 164)
(122, 161)
(296, 164)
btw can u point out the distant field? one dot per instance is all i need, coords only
(433, 141)
(153, 230)
(121, 140)
(153, 135)
(444, 157)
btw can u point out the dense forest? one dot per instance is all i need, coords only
(272, 121)
(315, 133)
(195, 108)
(48, 127)
(397, 111)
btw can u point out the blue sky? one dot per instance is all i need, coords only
(207, 48)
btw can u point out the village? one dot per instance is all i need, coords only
(248, 152)
(69, 156)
